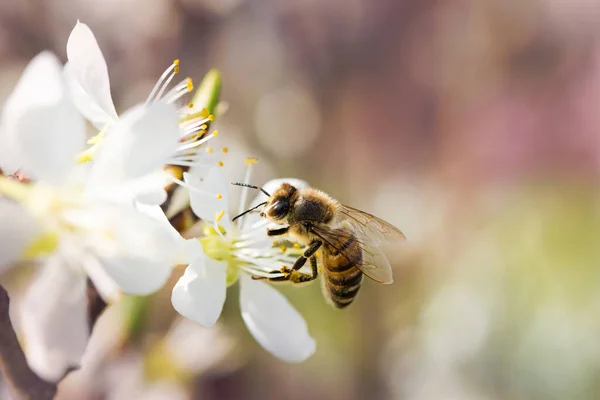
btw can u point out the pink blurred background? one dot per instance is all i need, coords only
(472, 125)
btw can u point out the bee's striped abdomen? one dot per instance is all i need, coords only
(342, 278)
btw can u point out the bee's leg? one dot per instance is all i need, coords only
(279, 231)
(301, 277)
(285, 277)
(313, 267)
(308, 253)
(293, 274)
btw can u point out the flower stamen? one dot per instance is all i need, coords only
(184, 87)
(163, 82)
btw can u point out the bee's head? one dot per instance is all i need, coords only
(279, 204)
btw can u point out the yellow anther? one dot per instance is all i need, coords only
(209, 149)
(282, 248)
(215, 133)
(192, 116)
(45, 244)
(204, 113)
(84, 158)
(219, 196)
(225, 150)
(88, 154)
(220, 163)
(176, 66)
(174, 171)
(176, 62)
(190, 84)
(219, 216)
(297, 245)
(203, 127)
(211, 117)
(275, 243)
(251, 160)
(190, 105)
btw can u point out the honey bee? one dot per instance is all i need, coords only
(348, 240)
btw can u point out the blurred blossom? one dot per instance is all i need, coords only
(87, 78)
(231, 252)
(85, 225)
(194, 348)
(16, 231)
(288, 121)
(126, 379)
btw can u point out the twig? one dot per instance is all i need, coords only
(95, 304)
(22, 381)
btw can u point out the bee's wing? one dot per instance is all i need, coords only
(374, 263)
(369, 227)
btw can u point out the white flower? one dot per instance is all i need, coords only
(87, 77)
(233, 251)
(85, 217)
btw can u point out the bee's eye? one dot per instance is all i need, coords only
(278, 210)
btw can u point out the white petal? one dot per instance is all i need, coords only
(135, 275)
(274, 322)
(39, 117)
(191, 250)
(54, 320)
(139, 253)
(84, 103)
(135, 250)
(150, 189)
(269, 187)
(106, 286)
(207, 183)
(17, 229)
(152, 196)
(139, 144)
(157, 214)
(10, 161)
(87, 77)
(200, 293)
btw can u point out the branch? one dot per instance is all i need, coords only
(22, 381)
(95, 304)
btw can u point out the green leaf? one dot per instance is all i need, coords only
(208, 92)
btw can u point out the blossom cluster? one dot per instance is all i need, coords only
(90, 209)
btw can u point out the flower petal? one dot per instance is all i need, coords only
(274, 322)
(137, 276)
(135, 250)
(146, 248)
(39, 117)
(107, 288)
(200, 293)
(139, 144)
(54, 320)
(208, 193)
(17, 230)
(87, 77)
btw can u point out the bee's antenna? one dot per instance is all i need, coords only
(249, 210)
(251, 187)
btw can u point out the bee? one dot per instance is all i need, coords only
(348, 240)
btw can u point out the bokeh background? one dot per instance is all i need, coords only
(472, 125)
